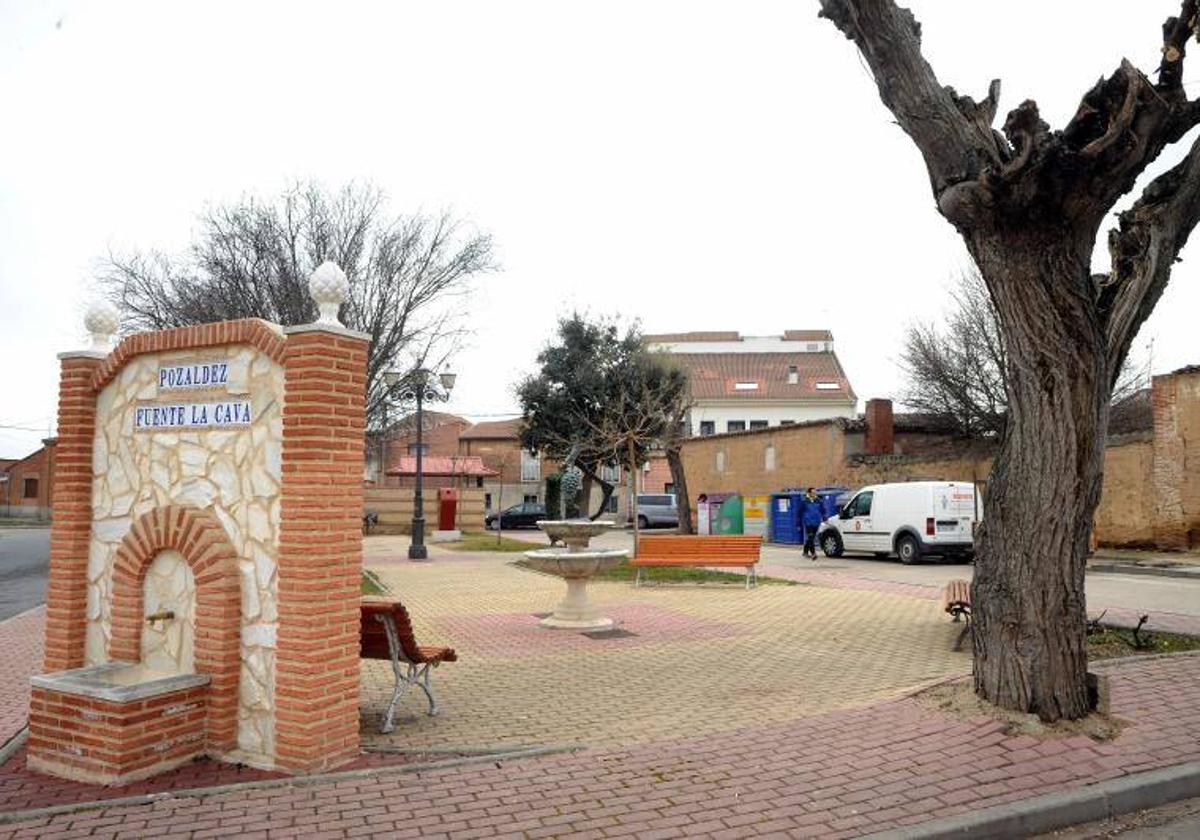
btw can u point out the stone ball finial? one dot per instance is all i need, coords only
(329, 287)
(102, 321)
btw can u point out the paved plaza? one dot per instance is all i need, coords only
(715, 712)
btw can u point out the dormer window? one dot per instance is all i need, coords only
(793, 375)
(745, 386)
(828, 386)
(813, 348)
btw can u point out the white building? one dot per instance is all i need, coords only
(752, 382)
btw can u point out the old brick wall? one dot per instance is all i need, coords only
(1125, 516)
(1175, 402)
(766, 461)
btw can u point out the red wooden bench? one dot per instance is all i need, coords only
(385, 632)
(740, 552)
(956, 600)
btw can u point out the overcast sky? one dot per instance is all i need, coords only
(697, 165)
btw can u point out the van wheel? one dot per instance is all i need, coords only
(831, 544)
(908, 549)
(643, 523)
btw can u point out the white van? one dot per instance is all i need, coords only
(911, 519)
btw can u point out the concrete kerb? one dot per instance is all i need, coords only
(1093, 803)
(1105, 568)
(268, 784)
(12, 745)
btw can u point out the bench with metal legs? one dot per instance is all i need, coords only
(410, 662)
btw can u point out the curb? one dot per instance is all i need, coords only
(21, 614)
(1093, 803)
(13, 744)
(268, 784)
(1152, 571)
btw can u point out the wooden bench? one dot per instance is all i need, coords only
(956, 600)
(679, 550)
(385, 632)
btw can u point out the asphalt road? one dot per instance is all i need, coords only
(24, 567)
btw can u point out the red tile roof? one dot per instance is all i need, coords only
(493, 430)
(450, 465)
(714, 375)
(732, 335)
(807, 335)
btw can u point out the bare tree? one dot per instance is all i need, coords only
(956, 371)
(1029, 204)
(647, 400)
(252, 259)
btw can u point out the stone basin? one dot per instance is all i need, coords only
(576, 533)
(576, 564)
(117, 682)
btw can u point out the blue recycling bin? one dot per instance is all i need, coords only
(832, 498)
(785, 518)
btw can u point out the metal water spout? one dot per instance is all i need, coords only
(161, 615)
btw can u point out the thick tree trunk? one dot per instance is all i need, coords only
(679, 480)
(1030, 617)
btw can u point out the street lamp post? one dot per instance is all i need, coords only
(419, 386)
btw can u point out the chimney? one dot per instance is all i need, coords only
(879, 427)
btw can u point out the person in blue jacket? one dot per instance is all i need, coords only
(811, 517)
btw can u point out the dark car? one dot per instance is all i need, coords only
(526, 515)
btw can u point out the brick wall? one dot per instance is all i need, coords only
(394, 506)
(1175, 402)
(1125, 516)
(104, 742)
(320, 549)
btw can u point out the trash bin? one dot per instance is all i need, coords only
(785, 518)
(447, 508)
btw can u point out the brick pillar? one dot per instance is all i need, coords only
(1170, 526)
(71, 505)
(879, 427)
(320, 548)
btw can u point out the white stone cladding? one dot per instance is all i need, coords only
(233, 472)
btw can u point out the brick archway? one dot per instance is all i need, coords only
(200, 538)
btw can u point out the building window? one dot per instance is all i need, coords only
(745, 386)
(531, 466)
(610, 473)
(828, 386)
(813, 348)
(611, 505)
(669, 487)
(720, 460)
(412, 449)
(707, 427)
(487, 501)
(793, 375)
(735, 425)
(758, 424)
(31, 488)
(479, 482)
(769, 458)
(685, 429)
(531, 498)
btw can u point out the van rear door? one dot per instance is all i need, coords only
(953, 513)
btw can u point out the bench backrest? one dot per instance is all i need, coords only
(372, 638)
(680, 546)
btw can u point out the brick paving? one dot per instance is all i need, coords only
(21, 642)
(839, 774)
(703, 658)
(727, 714)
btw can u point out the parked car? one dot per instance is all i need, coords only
(912, 520)
(524, 515)
(656, 510)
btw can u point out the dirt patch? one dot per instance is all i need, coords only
(959, 699)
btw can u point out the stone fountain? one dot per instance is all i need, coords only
(575, 563)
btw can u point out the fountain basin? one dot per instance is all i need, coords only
(115, 723)
(576, 564)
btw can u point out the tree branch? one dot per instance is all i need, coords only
(1143, 247)
(953, 133)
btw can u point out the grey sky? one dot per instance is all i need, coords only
(698, 165)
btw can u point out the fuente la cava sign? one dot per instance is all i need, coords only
(197, 415)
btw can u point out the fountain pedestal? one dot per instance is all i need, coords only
(576, 564)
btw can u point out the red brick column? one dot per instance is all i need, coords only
(320, 548)
(71, 504)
